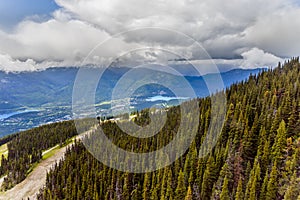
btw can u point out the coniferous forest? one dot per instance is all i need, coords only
(256, 157)
(25, 149)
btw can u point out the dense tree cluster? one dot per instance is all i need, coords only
(25, 149)
(7, 138)
(256, 157)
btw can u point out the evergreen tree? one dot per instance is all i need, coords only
(189, 195)
(264, 187)
(239, 193)
(126, 189)
(146, 187)
(293, 189)
(253, 183)
(272, 187)
(225, 193)
(208, 179)
(180, 191)
(280, 142)
(169, 190)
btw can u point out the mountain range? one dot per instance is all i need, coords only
(51, 90)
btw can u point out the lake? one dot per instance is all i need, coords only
(165, 98)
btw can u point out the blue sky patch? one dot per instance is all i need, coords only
(14, 11)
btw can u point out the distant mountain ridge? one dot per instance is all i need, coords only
(49, 93)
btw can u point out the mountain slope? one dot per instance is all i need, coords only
(30, 99)
(257, 155)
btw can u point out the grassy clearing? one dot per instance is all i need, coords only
(34, 165)
(51, 152)
(45, 156)
(3, 151)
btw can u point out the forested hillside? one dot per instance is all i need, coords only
(256, 157)
(25, 149)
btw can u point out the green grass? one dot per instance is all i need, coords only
(44, 157)
(50, 153)
(3, 151)
(34, 165)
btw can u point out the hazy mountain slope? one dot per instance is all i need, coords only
(29, 99)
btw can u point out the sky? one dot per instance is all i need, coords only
(14, 11)
(37, 34)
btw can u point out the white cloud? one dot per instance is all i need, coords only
(9, 64)
(254, 33)
(256, 58)
(277, 32)
(54, 39)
